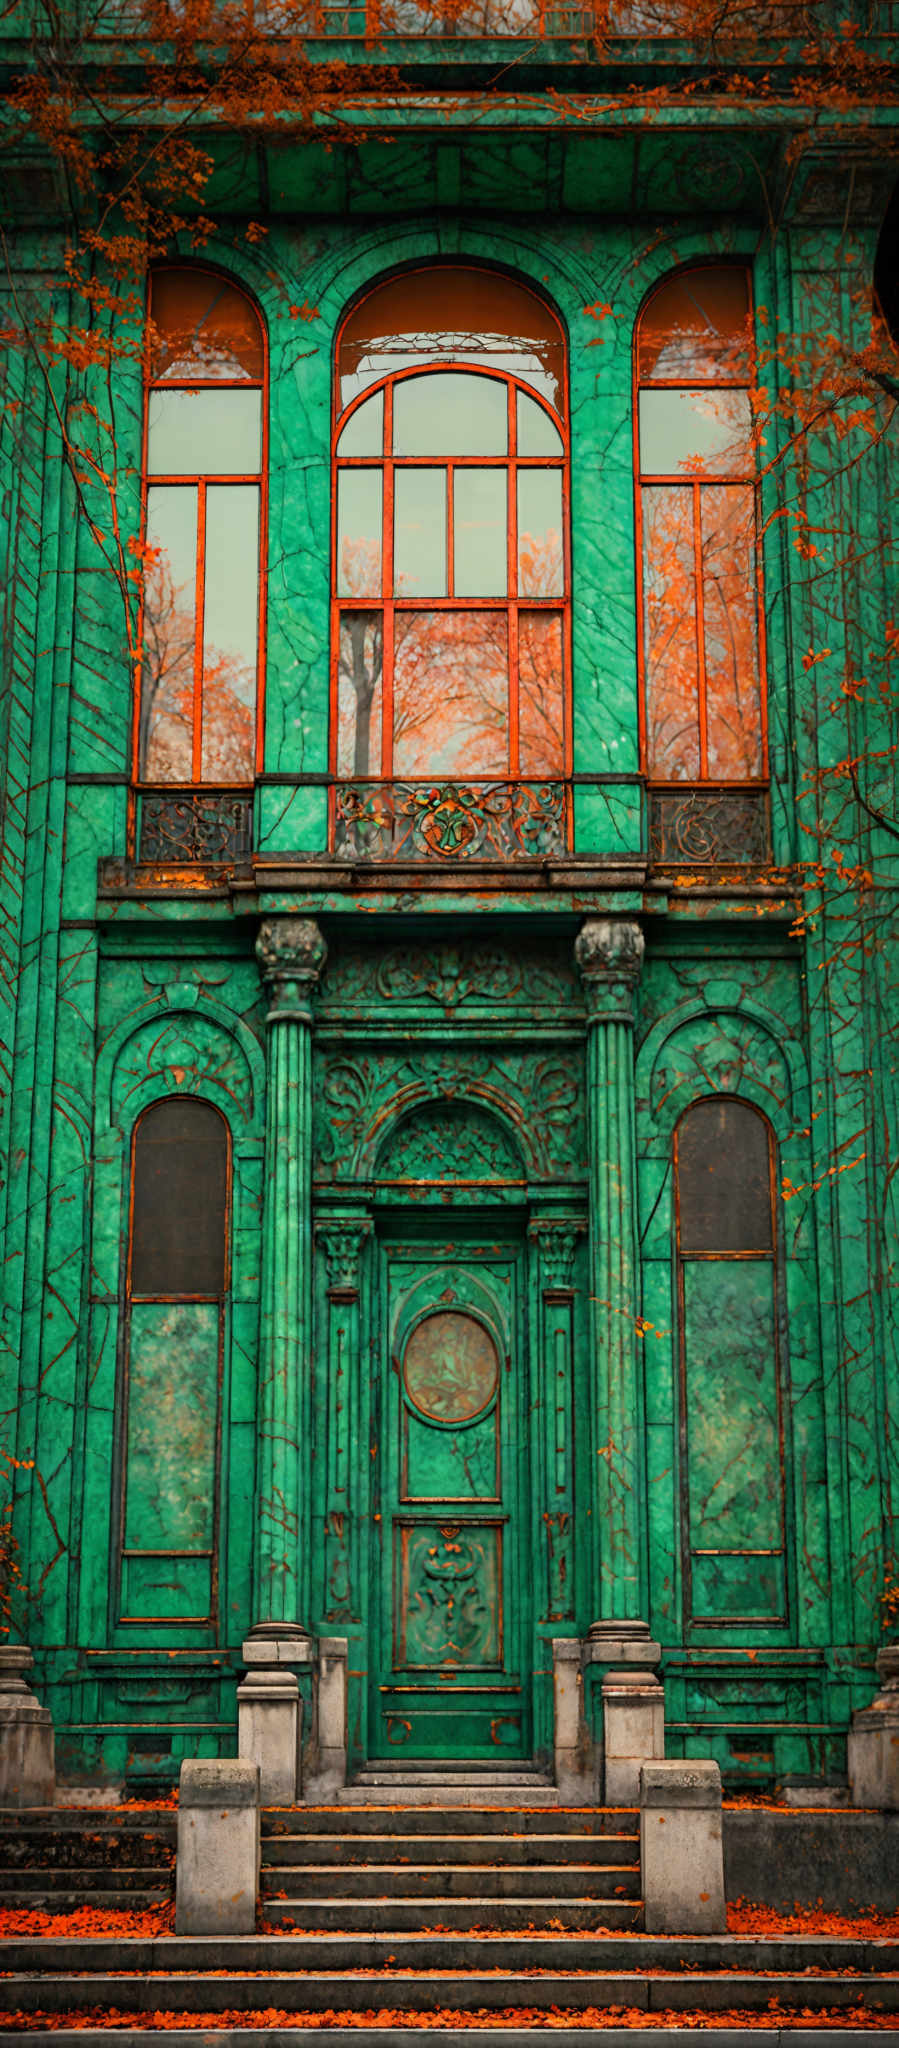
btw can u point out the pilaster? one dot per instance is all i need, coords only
(609, 954)
(291, 954)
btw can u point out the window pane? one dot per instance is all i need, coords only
(452, 313)
(204, 433)
(540, 694)
(479, 533)
(359, 675)
(449, 413)
(419, 534)
(364, 433)
(450, 693)
(540, 563)
(202, 328)
(180, 1193)
(733, 690)
(723, 1178)
(169, 616)
(230, 628)
(695, 433)
(359, 502)
(669, 634)
(733, 1435)
(172, 1426)
(537, 433)
(696, 327)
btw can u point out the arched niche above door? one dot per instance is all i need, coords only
(458, 1145)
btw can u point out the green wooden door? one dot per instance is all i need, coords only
(452, 1620)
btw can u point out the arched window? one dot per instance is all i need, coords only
(202, 611)
(732, 1452)
(177, 1280)
(699, 628)
(450, 569)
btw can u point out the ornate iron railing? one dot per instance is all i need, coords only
(452, 820)
(208, 825)
(708, 826)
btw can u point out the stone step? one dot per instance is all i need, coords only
(398, 1955)
(27, 1877)
(446, 1795)
(486, 1781)
(410, 2036)
(476, 1912)
(448, 1880)
(499, 1851)
(441, 1819)
(323, 1991)
(112, 1901)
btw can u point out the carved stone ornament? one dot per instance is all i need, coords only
(556, 1243)
(342, 1245)
(291, 953)
(609, 954)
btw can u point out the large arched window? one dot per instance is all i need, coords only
(202, 612)
(449, 707)
(732, 1448)
(699, 634)
(176, 1284)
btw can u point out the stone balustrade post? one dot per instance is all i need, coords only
(609, 954)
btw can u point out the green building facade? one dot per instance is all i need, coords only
(447, 1200)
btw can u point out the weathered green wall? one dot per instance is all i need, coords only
(114, 1001)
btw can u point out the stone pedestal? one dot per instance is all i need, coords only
(217, 1866)
(330, 1776)
(572, 1759)
(681, 1848)
(27, 1758)
(633, 1704)
(269, 1718)
(874, 1741)
(633, 1715)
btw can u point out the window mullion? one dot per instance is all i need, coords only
(700, 634)
(199, 632)
(387, 574)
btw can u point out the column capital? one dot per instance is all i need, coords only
(291, 953)
(342, 1239)
(556, 1241)
(609, 955)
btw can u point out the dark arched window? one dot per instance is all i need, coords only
(201, 636)
(177, 1279)
(450, 568)
(732, 1454)
(699, 629)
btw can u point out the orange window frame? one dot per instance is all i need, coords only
(387, 604)
(696, 484)
(201, 481)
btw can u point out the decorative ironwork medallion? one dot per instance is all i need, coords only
(450, 820)
(451, 1367)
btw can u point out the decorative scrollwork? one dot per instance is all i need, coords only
(452, 820)
(709, 826)
(187, 825)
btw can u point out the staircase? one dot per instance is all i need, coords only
(410, 1869)
(377, 1916)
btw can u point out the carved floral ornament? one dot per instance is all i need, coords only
(342, 1245)
(609, 954)
(291, 953)
(556, 1244)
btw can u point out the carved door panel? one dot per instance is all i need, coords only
(446, 1664)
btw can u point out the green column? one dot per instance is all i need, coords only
(291, 953)
(609, 954)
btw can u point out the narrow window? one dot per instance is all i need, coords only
(201, 623)
(699, 622)
(177, 1283)
(732, 1454)
(450, 570)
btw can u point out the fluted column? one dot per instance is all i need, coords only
(291, 953)
(609, 954)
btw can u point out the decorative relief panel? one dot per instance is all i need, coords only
(450, 820)
(450, 1144)
(451, 1367)
(449, 1610)
(451, 977)
(708, 825)
(185, 826)
(357, 1100)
